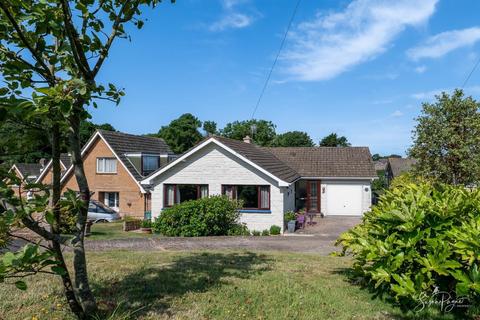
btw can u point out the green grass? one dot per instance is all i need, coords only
(206, 285)
(113, 230)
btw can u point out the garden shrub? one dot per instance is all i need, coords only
(265, 232)
(289, 215)
(275, 230)
(418, 239)
(213, 216)
(239, 230)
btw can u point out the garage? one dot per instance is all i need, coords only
(344, 200)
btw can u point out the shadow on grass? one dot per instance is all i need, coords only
(151, 289)
(405, 313)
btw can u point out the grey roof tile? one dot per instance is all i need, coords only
(29, 169)
(341, 162)
(123, 143)
(401, 165)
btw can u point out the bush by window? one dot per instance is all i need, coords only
(178, 193)
(212, 216)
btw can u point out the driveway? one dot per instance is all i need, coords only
(319, 239)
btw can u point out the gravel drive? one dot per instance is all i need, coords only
(315, 239)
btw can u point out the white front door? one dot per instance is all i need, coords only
(344, 199)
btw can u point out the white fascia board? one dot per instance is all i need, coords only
(44, 171)
(148, 180)
(14, 167)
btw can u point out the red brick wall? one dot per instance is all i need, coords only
(131, 200)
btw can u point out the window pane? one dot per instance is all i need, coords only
(170, 195)
(248, 195)
(203, 191)
(228, 191)
(313, 196)
(100, 165)
(110, 165)
(187, 192)
(150, 164)
(264, 197)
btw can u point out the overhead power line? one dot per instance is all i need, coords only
(276, 58)
(471, 72)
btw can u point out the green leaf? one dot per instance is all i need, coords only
(59, 270)
(50, 217)
(21, 285)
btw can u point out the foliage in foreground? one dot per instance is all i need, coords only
(419, 239)
(212, 216)
(446, 139)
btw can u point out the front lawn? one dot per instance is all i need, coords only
(113, 230)
(206, 285)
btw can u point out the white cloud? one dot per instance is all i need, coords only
(333, 43)
(232, 20)
(445, 42)
(231, 17)
(397, 113)
(420, 69)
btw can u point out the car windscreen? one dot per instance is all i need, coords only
(101, 208)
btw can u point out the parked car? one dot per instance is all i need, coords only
(98, 212)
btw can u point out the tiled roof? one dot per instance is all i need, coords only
(66, 159)
(380, 164)
(29, 169)
(123, 143)
(261, 157)
(401, 165)
(341, 162)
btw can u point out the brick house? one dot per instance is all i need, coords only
(115, 163)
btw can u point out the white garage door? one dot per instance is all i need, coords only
(344, 199)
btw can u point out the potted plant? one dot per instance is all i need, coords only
(290, 221)
(146, 226)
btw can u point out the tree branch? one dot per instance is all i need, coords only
(108, 44)
(19, 31)
(76, 46)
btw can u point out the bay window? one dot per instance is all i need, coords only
(251, 196)
(178, 193)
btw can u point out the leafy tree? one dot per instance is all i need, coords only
(333, 140)
(182, 133)
(23, 142)
(293, 139)
(261, 131)
(446, 140)
(210, 128)
(377, 156)
(50, 55)
(87, 129)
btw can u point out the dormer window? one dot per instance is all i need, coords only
(150, 163)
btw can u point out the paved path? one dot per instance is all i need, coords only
(317, 239)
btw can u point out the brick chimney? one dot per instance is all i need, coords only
(247, 139)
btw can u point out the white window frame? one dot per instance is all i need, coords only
(103, 162)
(116, 201)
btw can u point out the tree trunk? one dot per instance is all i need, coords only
(84, 293)
(55, 245)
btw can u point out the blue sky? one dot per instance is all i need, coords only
(360, 68)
